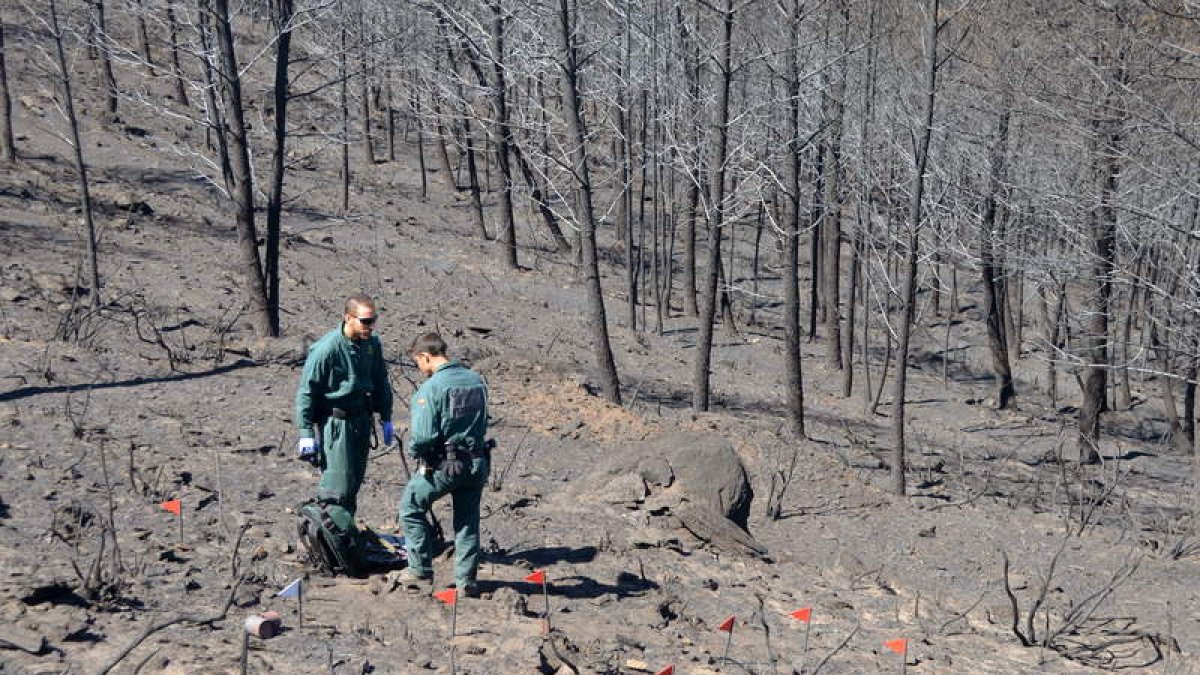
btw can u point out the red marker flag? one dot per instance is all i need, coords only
(899, 645)
(727, 624)
(174, 506)
(803, 614)
(669, 670)
(448, 596)
(538, 577)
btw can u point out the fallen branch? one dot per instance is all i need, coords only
(182, 617)
(841, 645)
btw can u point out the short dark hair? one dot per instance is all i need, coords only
(429, 343)
(355, 301)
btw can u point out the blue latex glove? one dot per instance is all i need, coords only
(389, 433)
(309, 450)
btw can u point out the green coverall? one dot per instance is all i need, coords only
(450, 408)
(349, 375)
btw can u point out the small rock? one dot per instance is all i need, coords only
(15, 637)
(247, 596)
(628, 489)
(848, 568)
(515, 602)
(9, 294)
(377, 585)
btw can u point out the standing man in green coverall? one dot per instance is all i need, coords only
(344, 384)
(448, 430)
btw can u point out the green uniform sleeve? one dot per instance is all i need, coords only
(311, 390)
(423, 428)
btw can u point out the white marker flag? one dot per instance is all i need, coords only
(292, 590)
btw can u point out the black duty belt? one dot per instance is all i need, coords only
(437, 457)
(344, 414)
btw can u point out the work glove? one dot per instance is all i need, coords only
(309, 450)
(453, 466)
(389, 433)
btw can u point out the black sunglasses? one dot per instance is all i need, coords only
(366, 320)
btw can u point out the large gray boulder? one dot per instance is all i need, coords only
(695, 478)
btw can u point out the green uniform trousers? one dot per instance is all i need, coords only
(346, 444)
(466, 491)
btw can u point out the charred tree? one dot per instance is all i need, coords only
(606, 366)
(831, 213)
(508, 229)
(108, 81)
(793, 362)
(908, 299)
(282, 14)
(1104, 141)
(173, 35)
(242, 189)
(8, 147)
(701, 370)
(85, 197)
(992, 271)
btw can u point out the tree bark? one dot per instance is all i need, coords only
(1105, 142)
(143, 39)
(206, 31)
(908, 300)
(108, 81)
(991, 272)
(344, 106)
(282, 12)
(793, 362)
(242, 189)
(85, 198)
(691, 56)
(708, 301)
(364, 81)
(443, 154)
(173, 29)
(624, 151)
(8, 147)
(508, 229)
(390, 119)
(606, 366)
(831, 214)
(415, 107)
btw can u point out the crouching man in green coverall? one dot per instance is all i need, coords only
(448, 430)
(344, 384)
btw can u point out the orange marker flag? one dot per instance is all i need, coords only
(669, 670)
(174, 506)
(803, 614)
(538, 577)
(899, 645)
(448, 596)
(727, 624)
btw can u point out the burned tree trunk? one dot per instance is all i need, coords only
(908, 299)
(708, 300)
(992, 272)
(606, 366)
(85, 198)
(242, 190)
(1105, 140)
(282, 12)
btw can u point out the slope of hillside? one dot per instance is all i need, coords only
(166, 394)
